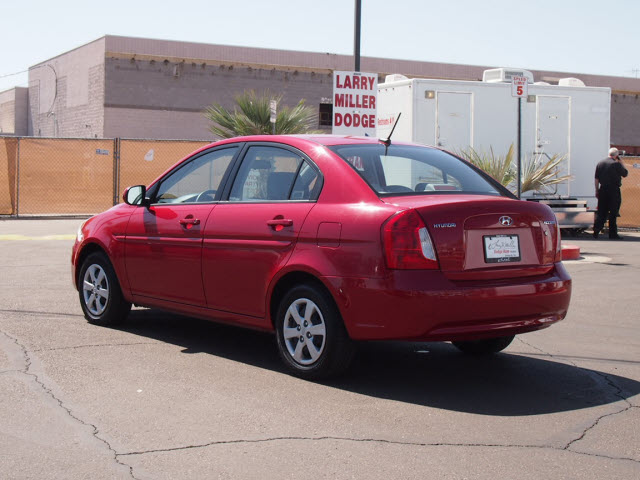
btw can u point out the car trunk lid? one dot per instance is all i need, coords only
(487, 237)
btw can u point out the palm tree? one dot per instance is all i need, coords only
(252, 114)
(537, 173)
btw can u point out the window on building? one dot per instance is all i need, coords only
(325, 114)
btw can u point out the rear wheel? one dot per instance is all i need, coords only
(484, 347)
(312, 339)
(100, 295)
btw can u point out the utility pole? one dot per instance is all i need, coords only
(356, 46)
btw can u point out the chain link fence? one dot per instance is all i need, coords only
(630, 209)
(66, 176)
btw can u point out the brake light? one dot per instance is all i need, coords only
(558, 257)
(407, 243)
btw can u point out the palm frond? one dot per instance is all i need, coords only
(501, 168)
(252, 116)
(538, 173)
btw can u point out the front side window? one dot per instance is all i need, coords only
(198, 181)
(401, 169)
(272, 174)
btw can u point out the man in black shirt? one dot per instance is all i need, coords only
(609, 173)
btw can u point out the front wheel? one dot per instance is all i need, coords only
(484, 347)
(100, 295)
(312, 340)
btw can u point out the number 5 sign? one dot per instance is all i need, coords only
(519, 86)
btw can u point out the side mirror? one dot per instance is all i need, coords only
(136, 196)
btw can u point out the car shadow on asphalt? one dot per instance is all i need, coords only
(436, 375)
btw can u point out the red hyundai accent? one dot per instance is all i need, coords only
(328, 240)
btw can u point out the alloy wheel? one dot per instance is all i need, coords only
(95, 290)
(304, 331)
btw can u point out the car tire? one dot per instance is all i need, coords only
(312, 339)
(484, 347)
(100, 294)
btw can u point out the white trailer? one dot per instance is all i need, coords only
(568, 119)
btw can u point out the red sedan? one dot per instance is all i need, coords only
(328, 240)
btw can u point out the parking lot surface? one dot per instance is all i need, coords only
(169, 397)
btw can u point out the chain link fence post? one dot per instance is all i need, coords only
(18, 179)
(116, 170)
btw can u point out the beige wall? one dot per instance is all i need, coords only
(625, 119)
(14, 104)
(66, 94)
(145, 98)
(129, 87)
(137, 123)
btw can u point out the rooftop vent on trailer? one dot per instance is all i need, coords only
(504, 75)
(395, 77)
(570, 82)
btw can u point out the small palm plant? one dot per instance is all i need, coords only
(537, 173)
(252, 114)
(499, 167)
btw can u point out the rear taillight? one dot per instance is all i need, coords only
(407, 244)
(558, 257)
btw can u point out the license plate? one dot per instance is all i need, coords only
(501, 248)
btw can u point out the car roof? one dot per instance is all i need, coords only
(322, 139)
(329, 140)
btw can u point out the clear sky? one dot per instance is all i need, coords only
(579, 36)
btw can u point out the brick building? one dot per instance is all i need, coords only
(14, 105)
(143, 88)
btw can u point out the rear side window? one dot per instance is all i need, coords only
(401, 169)
(274, 174)
(307, 185)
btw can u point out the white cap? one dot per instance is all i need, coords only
(613, 152)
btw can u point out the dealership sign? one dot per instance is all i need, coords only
(355, 97)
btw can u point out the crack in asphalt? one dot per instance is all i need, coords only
(372, 440)
(617, 393)
(48, 391)
(117, 456)
(75, 347)
(31, 312)
(595, 424)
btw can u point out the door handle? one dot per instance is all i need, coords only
(284, 222)
(189, 221)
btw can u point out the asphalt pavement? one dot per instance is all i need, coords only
(169, 397)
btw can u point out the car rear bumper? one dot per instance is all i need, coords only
(425, 305)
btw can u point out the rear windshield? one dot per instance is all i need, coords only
(402, 169)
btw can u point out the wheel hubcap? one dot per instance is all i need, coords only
(304, 331)
(95, 290)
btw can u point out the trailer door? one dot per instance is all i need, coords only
(553, 134)
(453, 120)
